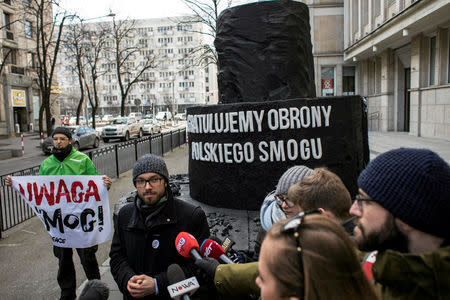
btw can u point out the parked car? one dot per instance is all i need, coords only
(107, 118)
(150, 126)
(73, 121)
(82, 137)
(180, 116)
(135, 115)
(122, 128)
(164, 116)
(65, 119)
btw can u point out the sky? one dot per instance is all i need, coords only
(133, 9)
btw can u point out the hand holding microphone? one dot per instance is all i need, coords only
(187, 245)
(212, 249)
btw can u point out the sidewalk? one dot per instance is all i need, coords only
(26, 254)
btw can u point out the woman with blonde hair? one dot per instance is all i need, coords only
(310, 257)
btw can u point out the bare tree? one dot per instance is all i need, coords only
(75, 51)
(48, 35)
(126, 51)
(95, 47)
(207, 13)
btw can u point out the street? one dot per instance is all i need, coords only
(34, 156)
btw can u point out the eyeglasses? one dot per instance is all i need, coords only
(360, 200)
(292, 226)
(285, 200)
(140, 182)
(60, 139)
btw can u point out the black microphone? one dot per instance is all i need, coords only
(236, 256)
(180, 287)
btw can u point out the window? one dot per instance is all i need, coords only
(355, 15)
(28, 29)
(7, 21)
(9, 56)
(327, 75)
(432, 60)
(31, 59)
(348, 81)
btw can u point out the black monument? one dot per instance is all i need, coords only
(268, 118)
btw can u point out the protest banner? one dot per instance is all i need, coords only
(74, 209)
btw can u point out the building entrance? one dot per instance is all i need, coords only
(20, 117)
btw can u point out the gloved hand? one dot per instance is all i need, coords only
(208, 265)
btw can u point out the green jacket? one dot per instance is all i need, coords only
(413, 276)
(237, 279)
(76, 163)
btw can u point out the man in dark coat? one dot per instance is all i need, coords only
(143, 245)
(403, 212)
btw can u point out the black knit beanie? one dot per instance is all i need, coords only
(413, 185)
(150, 163)
(62, 130)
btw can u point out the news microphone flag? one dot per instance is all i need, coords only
(180, 288)
(187, 245)
(212, 249)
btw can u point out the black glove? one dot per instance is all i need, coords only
(208, 265)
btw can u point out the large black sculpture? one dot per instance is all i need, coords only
(268, 119)
(264, 52)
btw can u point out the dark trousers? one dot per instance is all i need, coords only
(66, 271)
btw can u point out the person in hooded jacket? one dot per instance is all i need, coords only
(143, 244)
(276, 206)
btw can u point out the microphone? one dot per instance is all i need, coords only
(212, 249)
(227, 244)
(180, 288)
(187, 245)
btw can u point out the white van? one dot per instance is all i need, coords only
(164, 116)
(135, 115)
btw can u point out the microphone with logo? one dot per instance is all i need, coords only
(237, 257)
(180, 288)
(187, 245)
(212, 249)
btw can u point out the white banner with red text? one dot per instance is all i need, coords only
(74, 208)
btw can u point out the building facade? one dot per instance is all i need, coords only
(401, 52)
(177, 81)
(333, 75)
(19, 92)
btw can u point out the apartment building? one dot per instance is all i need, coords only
(400, 49)
(19, 92)
(177, 81)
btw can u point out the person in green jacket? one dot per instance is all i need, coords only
(403, 212)
(65, 160)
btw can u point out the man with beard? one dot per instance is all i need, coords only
(65, 160)
(403, 212)
(143, 245)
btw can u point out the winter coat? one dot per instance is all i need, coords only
(137, 249)
(76, 163)
(237, 279)
(413, 276)
(269, 214)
